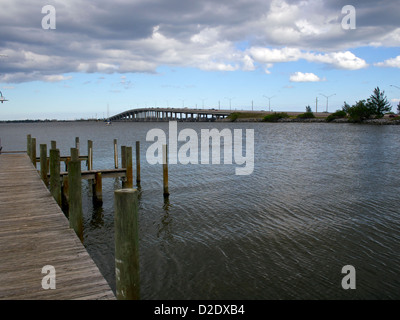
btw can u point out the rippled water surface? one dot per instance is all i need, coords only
(321, 196)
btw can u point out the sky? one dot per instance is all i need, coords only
(90, 59)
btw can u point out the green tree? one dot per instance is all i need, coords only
(346, 107)
(398, 108)
(360, 111)
(378, 103)
(308, 109)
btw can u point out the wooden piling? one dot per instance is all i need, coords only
(33, 151)
(123, 163)
(65, 194)
(67, 160)
(90, 155)
(75, 193)
(126, 244)
(77, 144)
(55, 184)
(165, 170)
(43, 164)
(115, 154)
(138, 162)
(28, 145)
(129, 168)
(53, 144)
(97, 188)
(123, 156)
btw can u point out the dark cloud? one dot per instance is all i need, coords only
(137, 36)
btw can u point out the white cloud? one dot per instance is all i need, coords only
(217, 66)
(56, 78)
(342, 60)
(248, 63)
(205, 36)
(393, 63)
(304, 77)
(106, 67)
(266, 55)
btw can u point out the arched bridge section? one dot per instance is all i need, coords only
(168, 114)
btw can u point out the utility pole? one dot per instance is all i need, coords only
(327, 98)
(230, 103)
(269, 102)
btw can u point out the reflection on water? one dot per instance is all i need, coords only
(165, 225)
(321, 196)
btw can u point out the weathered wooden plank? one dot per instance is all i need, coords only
(106, 173)
(34, 232)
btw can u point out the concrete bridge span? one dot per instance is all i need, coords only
(168, 114)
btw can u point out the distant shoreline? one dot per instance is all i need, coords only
(320, 118)
(384, 121)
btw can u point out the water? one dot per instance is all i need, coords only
(321, 196)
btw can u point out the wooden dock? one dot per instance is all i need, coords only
(34, 233)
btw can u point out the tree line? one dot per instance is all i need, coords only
(374, 107)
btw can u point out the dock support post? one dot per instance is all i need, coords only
(115, 154)
(123, 156)
(90, 155)
(165, 170)
(55, 184)
(129, 168)
(75, 193)
(126, 244)
(28, 145)
(77, 144)
(65, 194)
(123, 163)
(97, 189)
(43, 164)
(138, 162)
(33, 151)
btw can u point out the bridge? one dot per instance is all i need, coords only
(167, 114)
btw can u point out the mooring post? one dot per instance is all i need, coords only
(123, 163)
(126, 244)
(55, 184)
(28, 145)
(97, 188)
(77, 144)
(43, 164)
(67, 160)
(65, 193)
(115, 154)
(75, 193)
(129, 168)
(123, 156)
(165, 170)
(90, 155)
(33, 151)
(138, 162)
(53, 145)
